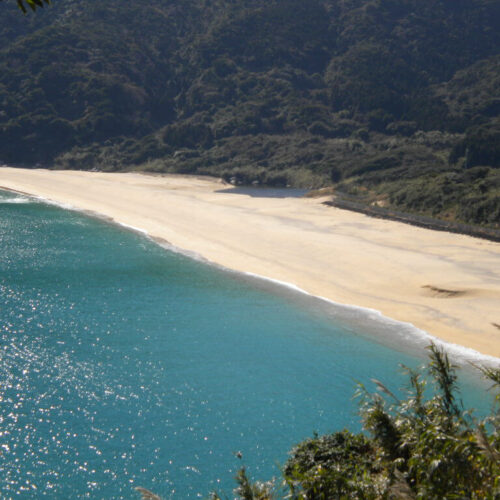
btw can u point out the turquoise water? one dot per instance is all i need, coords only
(126, 365)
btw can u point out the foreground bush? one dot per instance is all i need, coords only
(417, 447)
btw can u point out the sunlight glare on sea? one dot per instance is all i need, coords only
(123, 364)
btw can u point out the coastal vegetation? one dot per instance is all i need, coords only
(393, 102)
(32, 4)
(349, 95)
(421, 445)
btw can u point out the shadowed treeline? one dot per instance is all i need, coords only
(396, 101)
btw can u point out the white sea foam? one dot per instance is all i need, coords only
(35, 199)
(126, 226)
(15, 201)
(388, 328)
(393, 329)
(187, 253)
(59, 204)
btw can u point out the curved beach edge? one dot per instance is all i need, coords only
(397, 330)
(436, 286)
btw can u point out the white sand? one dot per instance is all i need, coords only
(340, 255)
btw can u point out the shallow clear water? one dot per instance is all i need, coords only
(122, 364)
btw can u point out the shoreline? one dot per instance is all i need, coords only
(426, 222)
(417, 338)
(299, 243)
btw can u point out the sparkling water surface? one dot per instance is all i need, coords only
(123, 364)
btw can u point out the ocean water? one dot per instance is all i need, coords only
(123, 364)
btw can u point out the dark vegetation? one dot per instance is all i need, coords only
(424, 445)
(396, 102)
(32, 4)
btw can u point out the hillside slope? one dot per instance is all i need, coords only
(395, 102)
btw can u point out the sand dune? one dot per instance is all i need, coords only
(446, 284)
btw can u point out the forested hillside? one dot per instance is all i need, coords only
(396, 102)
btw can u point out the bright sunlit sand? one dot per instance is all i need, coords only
(443, 283)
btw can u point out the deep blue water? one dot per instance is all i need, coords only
(123, 364)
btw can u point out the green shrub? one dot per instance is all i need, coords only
(422, 446)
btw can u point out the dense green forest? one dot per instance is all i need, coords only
(395, 102)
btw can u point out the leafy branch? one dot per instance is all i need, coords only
(418, 447)
(32, 4)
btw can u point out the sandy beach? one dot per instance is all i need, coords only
(443, 283)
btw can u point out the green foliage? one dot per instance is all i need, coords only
(383, 97)
(481, 146)
(32, 4)
(146, 494)
(333, 466)
(471, 196)
(418, 447)
(248, 490)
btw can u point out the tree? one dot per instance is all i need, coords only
(418, 447)
(33, 4)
